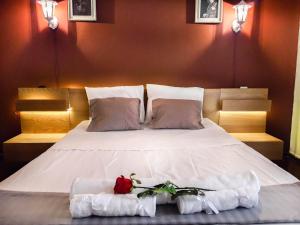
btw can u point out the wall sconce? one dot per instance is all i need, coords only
(48, 7)
(241, 11)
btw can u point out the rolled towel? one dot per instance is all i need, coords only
(215, 201)
(85, 205)
(95, 186)
(81, 206)
(233, 181)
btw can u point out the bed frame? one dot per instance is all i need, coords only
(50, 110)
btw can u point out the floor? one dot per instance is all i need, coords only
(292, 165)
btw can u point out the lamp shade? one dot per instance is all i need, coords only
(241, 11)
(48, 7)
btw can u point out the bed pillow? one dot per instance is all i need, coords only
(176, 114)
(155, 91)
(111, 114)
(119, 91)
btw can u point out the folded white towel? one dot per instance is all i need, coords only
(85, 205)
(216, 201)
(245, 179)
(95, 186)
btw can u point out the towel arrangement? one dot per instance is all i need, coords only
(95, 196)
(85, 205)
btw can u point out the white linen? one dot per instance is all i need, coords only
(229, 181)
(119, 91)
(155, 91)
(216, 201)
(104, 204)
(158, 154)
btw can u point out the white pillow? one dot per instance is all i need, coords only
(119, 91)
(155, 91)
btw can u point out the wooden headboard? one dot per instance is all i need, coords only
(49, 110)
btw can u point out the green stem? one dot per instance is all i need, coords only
(188, 188)
(177, 188)
(149, 188)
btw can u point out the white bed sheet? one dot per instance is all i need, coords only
(158, 154)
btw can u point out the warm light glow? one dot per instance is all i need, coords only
(241, 12)
(45, 113)
(48, 7)
(244, 112)
(253, 115)
(45, 122)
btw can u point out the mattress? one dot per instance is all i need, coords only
(158, 154)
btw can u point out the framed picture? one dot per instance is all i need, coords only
(209, 11)
(82, 10)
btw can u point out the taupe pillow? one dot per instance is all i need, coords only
(176, 114)
(109, 114)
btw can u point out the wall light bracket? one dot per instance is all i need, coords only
(241, 12)
(48, 7)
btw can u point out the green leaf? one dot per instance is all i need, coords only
(170, 188)
(146, 193)
(133, 174)
(137, 181)
(187, 192)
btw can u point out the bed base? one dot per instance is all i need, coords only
(278, 204)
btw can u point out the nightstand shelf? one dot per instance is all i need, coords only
(25, 147)
(269, 146)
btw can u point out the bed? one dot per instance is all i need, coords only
(44, 183)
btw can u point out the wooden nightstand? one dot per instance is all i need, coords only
(25, 147)
(269, 146)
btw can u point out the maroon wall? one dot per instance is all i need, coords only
(142, 41)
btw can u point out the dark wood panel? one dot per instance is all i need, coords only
(22, 153)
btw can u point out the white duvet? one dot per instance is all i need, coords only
(159, 154)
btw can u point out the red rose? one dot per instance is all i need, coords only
(123, 185)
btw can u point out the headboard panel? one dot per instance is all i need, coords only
(212, 104)
(247, 121)
(60, 122)
(80, 106)
(43, 93)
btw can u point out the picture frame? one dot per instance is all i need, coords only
(208, 11)
(82, 10)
